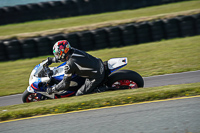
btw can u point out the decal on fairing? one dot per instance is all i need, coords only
(30, 89)
(117, 68)
(36, 67)
(62, 64)
(117, 63)
(34, 86)
(69, 93)
(39, 80)
(60, 77)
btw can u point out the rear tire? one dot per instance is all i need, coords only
(125, 79)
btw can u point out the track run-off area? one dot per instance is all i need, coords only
(153, 81)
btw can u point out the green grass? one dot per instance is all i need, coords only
(97, 100)
(156, 58)
(36, 26)
(167, 56)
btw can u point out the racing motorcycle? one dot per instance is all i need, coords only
(115, 79)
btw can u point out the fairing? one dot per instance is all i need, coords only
(38, 78)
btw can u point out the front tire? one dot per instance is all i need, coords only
(125, 79)
(29, 97)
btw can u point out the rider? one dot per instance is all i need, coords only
(77, 62)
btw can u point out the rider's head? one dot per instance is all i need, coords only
(61, 49)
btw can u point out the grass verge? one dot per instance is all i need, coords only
(65, 25)
(156, 58)
(97, 100)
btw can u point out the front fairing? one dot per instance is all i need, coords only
(36, 73)
(38, 78)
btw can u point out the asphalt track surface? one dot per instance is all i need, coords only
(153, 81)
(180, 115)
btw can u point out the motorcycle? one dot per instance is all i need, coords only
(115, 79)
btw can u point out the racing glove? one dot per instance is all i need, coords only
(49, 61)
(51, 90)
(49, 72)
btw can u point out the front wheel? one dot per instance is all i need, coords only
(29, 97)
(125, 79)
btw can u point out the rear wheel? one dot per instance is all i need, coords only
(29, 97)
(125, 79)
(125, 83)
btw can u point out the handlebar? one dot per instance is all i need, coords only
(48, 71)
(49, 74)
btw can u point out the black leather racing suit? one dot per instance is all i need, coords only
(83, 65)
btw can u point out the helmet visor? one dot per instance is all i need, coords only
(56, 54)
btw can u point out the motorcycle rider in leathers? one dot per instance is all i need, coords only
(77, 62)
